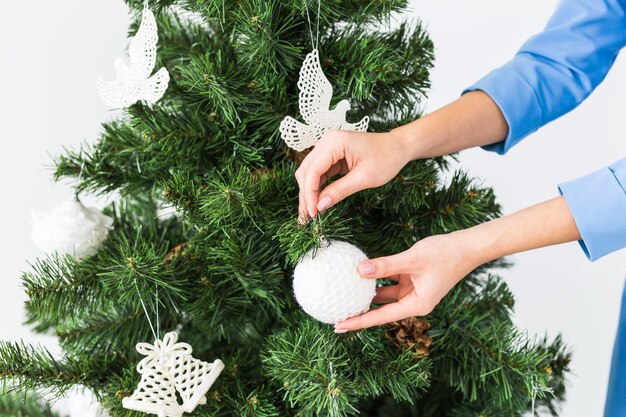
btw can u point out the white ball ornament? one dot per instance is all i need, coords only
(72, 229)
(328, 286)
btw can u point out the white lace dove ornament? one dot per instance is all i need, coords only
(314, 101)
(134, 83)
(169, 367)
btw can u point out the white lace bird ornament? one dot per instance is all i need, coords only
(134, 83)
(314, 101)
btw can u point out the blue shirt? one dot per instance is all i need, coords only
(550, 75)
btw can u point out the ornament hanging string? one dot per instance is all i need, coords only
(76, 193)
(156, 330)
(321, 237)
(155, 333)
(80, 174)
(314, 44)
(80, 179)
(158, 321)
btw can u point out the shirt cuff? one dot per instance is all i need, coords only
(517, 101)
(597, 202)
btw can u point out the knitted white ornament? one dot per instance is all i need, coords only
(169, 368)
(134, 83)
(314, 101)
(327, 285)
(71, 228)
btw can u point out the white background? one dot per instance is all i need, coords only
(51, 52)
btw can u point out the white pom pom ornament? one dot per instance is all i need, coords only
(328, 286)
(71, 228)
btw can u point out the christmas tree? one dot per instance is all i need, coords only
(219, 271)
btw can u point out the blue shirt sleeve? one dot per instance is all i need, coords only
(555, 70)
(552, 73)
(597, 202)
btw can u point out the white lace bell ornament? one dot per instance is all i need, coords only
(134, 82)
(156, 393)
(193, 378)
(71, 229)
(169, 368)
(316, 93)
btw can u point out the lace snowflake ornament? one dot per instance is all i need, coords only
(316, 93)
(134, 82)
(169, 368)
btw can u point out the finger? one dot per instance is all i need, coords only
(333, 170)
(318, 165)
(388, 294)
(375, 317)
(327, 153)
(344, 187)
(302, 211)
(386, 266)
(311, 192)
(395, 278)
(302, 216)
(323, 180)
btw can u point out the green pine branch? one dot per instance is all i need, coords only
(29, 367)
(323, 374)
(23, 405)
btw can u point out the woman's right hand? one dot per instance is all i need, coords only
(366, 160)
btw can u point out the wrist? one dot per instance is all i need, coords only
(410, 140)
(476, 245)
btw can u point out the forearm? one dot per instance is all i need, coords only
(545, 224)
(472, 120)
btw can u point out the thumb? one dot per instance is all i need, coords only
(340, 189)
(386, 266)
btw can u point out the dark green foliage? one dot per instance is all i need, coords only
(324, 374)
(494, 352)
(222, 267)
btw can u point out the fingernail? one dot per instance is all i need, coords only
(340, 330)
(323, 204)
(366, 268)
(311, 214)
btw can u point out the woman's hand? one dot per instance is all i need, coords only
(428, 271)
(424, 274)
(371, 159)
(366, 160)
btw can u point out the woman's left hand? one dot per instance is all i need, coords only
(424, 274)
(428, 271)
